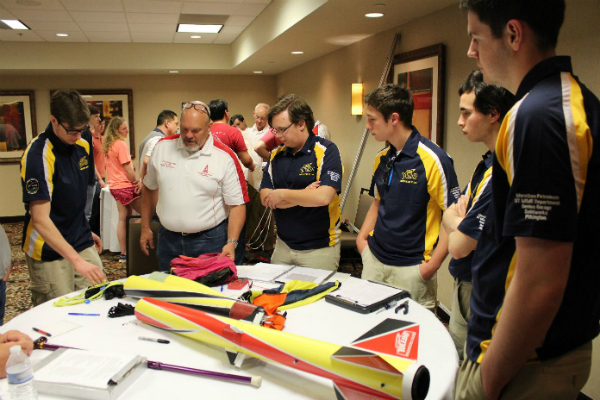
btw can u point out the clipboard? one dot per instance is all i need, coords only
(353, 297)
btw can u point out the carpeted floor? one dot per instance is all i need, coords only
(18, 297)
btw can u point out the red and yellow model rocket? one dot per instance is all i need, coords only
(185, 292)
(378, 365)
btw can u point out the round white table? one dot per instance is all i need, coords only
(320, 320)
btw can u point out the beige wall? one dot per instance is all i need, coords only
(325, 84)
(151, 94)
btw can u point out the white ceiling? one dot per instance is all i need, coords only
(258, 34)
(137, 21)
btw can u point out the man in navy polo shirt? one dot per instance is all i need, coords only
(55, 170)
(482, 109)
(535, 303)
(413, 183)
(301, 183)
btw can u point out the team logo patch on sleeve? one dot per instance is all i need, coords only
(32, 186)
(333, 175)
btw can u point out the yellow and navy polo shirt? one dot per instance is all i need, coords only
(479, 192)
(54, 171)
(306, 228)
(414, 188)
(546, 185)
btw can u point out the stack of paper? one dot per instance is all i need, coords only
(86, 374)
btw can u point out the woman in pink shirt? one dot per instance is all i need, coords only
(122, 179)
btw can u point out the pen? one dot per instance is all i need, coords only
(388, 306)
(164, 341)
(41, 331)
(86, 314)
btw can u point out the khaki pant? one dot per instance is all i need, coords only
(408, 278)
(561, 378)
(326, 258)
(460, 314)
(52, 279)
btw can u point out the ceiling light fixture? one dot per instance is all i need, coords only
(258, 72)
(374, 15)
(15, 24)
(62, 34)
(195, 36)
(297, 52)
(196, 28)
(173, 72)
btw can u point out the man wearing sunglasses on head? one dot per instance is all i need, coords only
(413, 183)
(55, 171)
(197, 187)
(302, 182)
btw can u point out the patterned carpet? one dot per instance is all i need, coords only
(18, 296)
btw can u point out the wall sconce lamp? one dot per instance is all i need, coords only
(357, 99)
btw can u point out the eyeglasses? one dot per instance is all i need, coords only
(71, 131)
(281, 131)
(389, 173)
(198, 106)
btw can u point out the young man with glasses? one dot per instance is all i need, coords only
(301, 183)
(413, 183)
(196, 185)
(55, 171)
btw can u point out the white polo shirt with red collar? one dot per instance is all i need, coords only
(194, 189)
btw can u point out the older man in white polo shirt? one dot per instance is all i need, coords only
(197, 187)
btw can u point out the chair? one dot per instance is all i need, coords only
(137, 262)
(349, 252)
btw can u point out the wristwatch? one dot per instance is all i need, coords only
(235, 242)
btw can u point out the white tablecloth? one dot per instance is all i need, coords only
(320, 320)
(109, 219)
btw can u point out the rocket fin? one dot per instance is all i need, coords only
(393, 337)
(235, 359)
(343, 392)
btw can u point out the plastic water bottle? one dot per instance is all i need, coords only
(20, 375)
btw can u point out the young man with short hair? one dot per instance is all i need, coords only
(238, 121)
(535, 303)
(301, 183)
(413, 183)
(55, 171)
(482, 109)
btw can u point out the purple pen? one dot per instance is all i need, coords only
(248, 380)
(42, 344)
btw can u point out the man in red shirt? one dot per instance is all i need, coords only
(232, 138)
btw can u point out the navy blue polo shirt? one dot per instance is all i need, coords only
(546, 185)
(413, 187)
(306, 228)
(52, 170)
(479, 192)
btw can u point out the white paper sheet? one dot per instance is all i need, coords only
(86, 368)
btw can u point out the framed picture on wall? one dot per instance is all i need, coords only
(113, 103)
(422, 72)
(17, 123)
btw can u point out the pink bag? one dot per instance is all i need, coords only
(207, 269)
